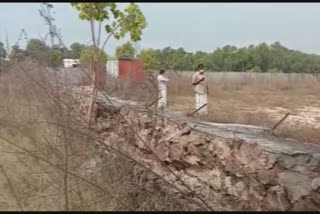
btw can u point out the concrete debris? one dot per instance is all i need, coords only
(252, 171)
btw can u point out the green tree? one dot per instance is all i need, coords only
(131, 21)
(39, 51)
(149, 58)
(255, 69)
(259, 58)
(56, 57)
(88, 53)
(201, 57)
(165, 60)
(75, 50)
(3, 52)
(217, 58)
(35, 47)
(125, 50)
(16, 54)
(273, 70)
(64, 52)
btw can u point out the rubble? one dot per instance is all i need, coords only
(231, 170)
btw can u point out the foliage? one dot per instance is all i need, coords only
(131, 21)
(75, 50)
(150, 59)
(260, 58)
(125, 50)
(88, 53)
(3, 52)
(39, 51)
(255, 69)
(55, 57)
(96, 11)
(16, 54)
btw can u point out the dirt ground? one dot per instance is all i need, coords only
(257, 101)
(244, 98)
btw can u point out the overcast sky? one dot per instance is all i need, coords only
(193, 26)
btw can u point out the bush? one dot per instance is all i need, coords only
(88, 53)
(255, 69)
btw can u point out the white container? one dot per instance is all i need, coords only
(70, 63)
(113, 68)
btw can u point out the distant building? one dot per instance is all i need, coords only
(126, 69)
(71, 63)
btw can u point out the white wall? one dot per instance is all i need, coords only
(113, 68)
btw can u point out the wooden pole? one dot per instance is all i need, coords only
(195, 111)
(154, 101)
(275, 126)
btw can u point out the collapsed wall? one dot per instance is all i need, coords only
(231, 167)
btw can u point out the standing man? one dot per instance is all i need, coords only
(162, 88)
(201, 89)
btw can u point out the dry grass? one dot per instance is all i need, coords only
(256, 100)
(125, 90)
(49, 159)
(243, 98)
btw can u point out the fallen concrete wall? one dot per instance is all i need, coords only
(231, 167)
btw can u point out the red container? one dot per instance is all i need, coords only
(131, 70)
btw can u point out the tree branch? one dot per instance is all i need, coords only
(92, 27)
(66, 168)
(109, 36)
(92, 33)
(99, 33)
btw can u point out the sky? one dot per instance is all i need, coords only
(192, 26)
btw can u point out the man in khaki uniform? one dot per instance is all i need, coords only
(201, 89)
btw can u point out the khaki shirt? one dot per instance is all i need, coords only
(201, 87)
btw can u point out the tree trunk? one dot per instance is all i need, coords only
(94, 88)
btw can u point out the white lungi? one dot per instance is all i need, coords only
(162, 103)
(162, 91)
(202, 99)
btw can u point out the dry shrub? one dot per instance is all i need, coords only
(49, 160)
(145, 92)
(33, 121)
